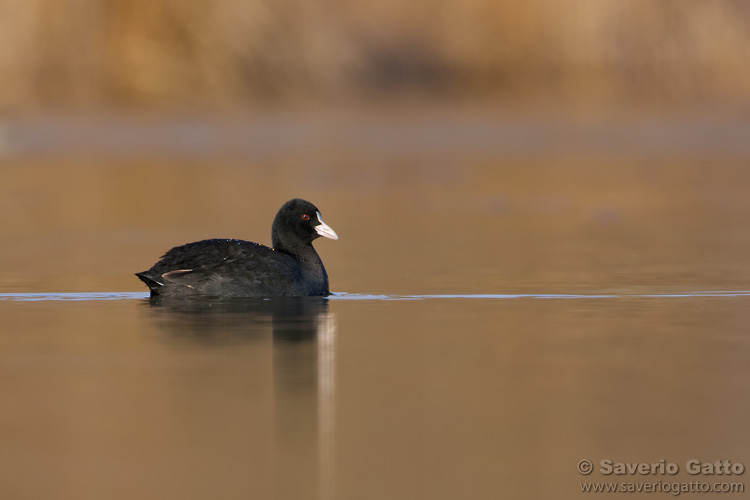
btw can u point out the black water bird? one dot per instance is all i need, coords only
(237, 268)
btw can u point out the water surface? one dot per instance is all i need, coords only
(502, 313)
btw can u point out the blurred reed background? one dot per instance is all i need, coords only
(229, 53)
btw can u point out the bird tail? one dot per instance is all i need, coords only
(154, 285)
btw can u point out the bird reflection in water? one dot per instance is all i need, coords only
(303, 353)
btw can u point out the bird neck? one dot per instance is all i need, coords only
(304, 252)
(311, 265)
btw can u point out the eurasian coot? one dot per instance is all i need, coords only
(236, 268)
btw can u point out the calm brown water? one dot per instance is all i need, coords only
(502, 312)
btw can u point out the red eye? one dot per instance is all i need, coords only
(305, 217)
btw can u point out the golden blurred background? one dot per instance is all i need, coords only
(466, 152)
(227, 54)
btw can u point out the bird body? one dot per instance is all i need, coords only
(238, 268)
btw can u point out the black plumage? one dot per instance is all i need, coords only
(237, 268)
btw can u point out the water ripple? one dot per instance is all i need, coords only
(711, 293)
(37, 297)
